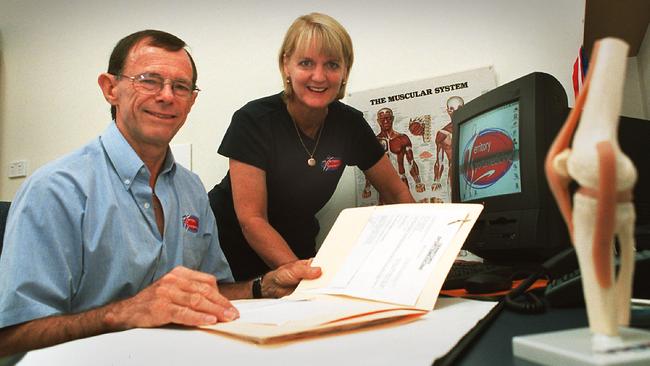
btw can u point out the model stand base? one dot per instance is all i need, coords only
(576, 347)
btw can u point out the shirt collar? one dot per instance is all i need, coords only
(126, 162)
(169, 166)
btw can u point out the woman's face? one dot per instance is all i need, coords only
(315, 78)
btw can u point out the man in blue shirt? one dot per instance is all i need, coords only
(117, 235)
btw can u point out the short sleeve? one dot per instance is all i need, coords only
(247, 140)
(364, 149)
(40, 265)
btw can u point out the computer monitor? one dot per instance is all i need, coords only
(500, 141)
(629, 130)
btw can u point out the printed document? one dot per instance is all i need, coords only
(395, 254)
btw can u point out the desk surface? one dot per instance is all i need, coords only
(415, 343)
(494, 346)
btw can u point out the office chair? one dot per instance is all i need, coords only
(4, 211)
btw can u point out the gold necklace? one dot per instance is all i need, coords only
(311, 161)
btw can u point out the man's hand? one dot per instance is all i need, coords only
(182, 296)
(283, 281)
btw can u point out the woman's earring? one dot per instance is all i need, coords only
(288, 80)
(344, 82)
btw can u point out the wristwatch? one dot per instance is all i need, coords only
(257, 287)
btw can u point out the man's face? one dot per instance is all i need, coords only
(385, 119)
(152, 120)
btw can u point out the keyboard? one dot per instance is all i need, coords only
(462, 270)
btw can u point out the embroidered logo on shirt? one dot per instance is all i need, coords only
(331, 163)
(191, 223)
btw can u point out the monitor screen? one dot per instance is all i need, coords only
(489, 154)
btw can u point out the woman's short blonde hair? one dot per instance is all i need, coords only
(329, 34)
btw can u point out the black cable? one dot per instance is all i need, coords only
(528, 302)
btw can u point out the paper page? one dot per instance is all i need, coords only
(282, 311)
(274, 311)
(396, 254)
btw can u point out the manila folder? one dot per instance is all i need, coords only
(380, 264)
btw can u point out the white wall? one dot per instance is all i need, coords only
(52, 51)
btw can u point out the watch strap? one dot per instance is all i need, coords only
(257, 288)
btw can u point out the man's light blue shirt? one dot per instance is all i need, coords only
(82, 232)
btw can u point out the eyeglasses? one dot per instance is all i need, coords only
(153, 83)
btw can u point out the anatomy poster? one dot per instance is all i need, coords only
(412, 122)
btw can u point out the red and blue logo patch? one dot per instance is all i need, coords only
(331, 164)
(191, 223)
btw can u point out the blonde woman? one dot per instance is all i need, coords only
(287, 152)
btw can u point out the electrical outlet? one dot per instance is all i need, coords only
(17, 169)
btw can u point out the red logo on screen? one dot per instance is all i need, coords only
(487, 158)
(191, 223)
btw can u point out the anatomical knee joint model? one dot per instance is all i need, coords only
(602, 208)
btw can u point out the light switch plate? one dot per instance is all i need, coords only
(17, 169)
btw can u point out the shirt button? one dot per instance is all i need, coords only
(127, 181)
(147, 205)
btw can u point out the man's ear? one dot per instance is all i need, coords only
(193, 99)
(107, 83)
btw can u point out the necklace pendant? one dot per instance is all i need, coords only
(311, 162)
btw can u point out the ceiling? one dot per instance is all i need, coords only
(625, 19)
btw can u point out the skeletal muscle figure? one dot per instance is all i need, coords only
(399, 145)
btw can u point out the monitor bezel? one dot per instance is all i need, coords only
(531, 169)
